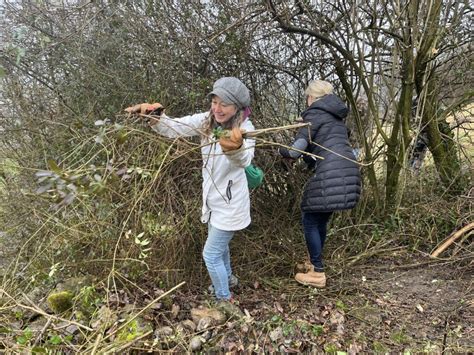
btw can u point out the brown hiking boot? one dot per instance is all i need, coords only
(305, 266)
(312, 278)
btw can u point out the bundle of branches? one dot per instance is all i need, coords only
(127, 201)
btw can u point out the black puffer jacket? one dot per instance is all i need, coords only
(335, 185)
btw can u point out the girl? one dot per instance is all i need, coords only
(225, 195)
(335, 183)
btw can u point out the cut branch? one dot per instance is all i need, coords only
(451, 239)
(259, 132)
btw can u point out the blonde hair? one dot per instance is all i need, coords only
(319, 88)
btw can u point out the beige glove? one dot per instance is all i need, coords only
(233, 142)
(145, 108)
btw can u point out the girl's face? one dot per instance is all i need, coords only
(309, 100)
(222, 111)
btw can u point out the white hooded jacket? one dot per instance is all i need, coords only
(225, 194)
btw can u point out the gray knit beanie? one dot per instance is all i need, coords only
(232, 90)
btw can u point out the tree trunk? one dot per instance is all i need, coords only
(400, 137)
(360, 132)
(440, 138)
(440, 142)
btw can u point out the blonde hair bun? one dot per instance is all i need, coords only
(319, 88)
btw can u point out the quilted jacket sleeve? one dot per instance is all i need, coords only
(186, 126)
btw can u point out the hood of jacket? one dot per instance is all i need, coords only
(331, 104)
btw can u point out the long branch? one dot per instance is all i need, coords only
(259, 132)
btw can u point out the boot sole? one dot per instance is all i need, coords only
(310, 284)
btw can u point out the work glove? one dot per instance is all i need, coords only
(233, 142)
(284, 152)
(287, 161)
(147, 109)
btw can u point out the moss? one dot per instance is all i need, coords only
(129, 332)
(133, 330)
(60, 301)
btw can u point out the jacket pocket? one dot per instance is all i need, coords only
(228, 191)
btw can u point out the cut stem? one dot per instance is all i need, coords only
(259, 132)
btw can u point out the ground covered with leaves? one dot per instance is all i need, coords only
(402, 302)
(397, 304)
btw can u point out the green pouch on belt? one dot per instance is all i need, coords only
(254, 176)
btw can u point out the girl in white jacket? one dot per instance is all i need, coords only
(225, 194)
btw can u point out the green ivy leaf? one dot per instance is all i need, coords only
(54, 167)
(21, 340)
(55, 339)
(217, 132)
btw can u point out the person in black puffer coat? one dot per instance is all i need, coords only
(335, 184)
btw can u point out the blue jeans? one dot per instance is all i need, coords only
(216, 255)
(315, 228)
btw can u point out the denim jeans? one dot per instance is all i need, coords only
(315, 228)
(216, 255)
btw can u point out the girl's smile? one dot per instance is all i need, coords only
(222, 111)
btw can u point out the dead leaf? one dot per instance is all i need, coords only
(231, 346)
(276, 334)
(337, 319)
(355, 349)
(174, 310)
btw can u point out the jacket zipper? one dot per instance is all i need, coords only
(229, 191)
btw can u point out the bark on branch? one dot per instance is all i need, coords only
(451, 239)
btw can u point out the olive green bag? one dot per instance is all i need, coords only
(254, 176)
